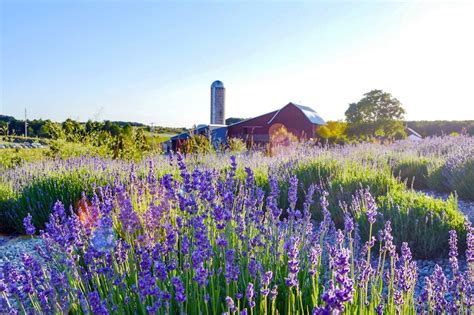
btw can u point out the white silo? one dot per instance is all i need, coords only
(217, 103)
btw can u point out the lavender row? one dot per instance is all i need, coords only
(210, 243)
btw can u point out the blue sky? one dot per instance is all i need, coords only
(152, 61)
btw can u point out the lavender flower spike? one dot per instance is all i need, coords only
(29, 227)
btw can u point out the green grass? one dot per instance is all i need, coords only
(10, 158)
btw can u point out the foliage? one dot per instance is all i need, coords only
(377, 114)
(206, 244)
(116, 139)
(422, 221)
(377, 130)
(340, 170)
(282, 137)
(458, 172)
(10, 158)
(236, 145)
(197, 144)
(333, 132)
(376, 105)
(442, 127)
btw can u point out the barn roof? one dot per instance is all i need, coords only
(413, 132)
(310, 113)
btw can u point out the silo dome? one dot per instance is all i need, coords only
(217, 84)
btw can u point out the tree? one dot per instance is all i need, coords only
(376, 105)
(377, 114)
(333, 131)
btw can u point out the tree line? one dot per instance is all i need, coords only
(378, 116)
(114, 139)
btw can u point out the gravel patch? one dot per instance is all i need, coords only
(426, 267)
(13, 247)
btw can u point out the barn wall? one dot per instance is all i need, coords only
(259, 129)
(295, 122)
(260, 122)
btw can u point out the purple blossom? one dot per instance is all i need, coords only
(453, 251)
(179, 289)
(293, 192)
(371, 206)
(96, 305)
(292, 249)
(230, 304)
(439, 281)
(249, 294)
(29, 227)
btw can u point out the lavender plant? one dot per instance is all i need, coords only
(210, 244)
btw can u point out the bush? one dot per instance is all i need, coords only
(422, 221)
(341, 180)
(435, 180)
(458, 172)
(38, 197)
(206, 247)
(236, 145)
(413, 171)
(10, 158)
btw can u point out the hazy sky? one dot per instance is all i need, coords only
(152, 61)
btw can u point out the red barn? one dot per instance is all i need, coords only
(301, 121)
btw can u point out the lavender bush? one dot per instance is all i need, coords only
(205, 243)
(341, 170)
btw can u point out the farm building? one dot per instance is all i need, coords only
(413, 135)
(215, 133)
(301, 121)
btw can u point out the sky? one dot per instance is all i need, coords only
(154, 61)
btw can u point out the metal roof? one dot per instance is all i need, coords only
(413, 132)
(217, 84)
(310, 113)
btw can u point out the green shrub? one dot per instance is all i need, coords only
(422, 221)
(413, 171)
(10, 158)
(236, 145)
(435, 179)
(38, 197)
(341, 180)
(464, 180)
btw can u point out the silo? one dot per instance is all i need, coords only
(217, 103)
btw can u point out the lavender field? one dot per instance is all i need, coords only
(307, 230)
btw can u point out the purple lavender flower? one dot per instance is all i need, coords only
(266, 278)
(314, 256)
(379, 309)
(292, 250)
(230, 304)
(388, 239)
(398, 300)
(293, 192)
(439, 281)
(453, 251)
(96, 305)
(103, 237)
(249, 294)
(29, 227)
(274, 292)
(348, 223)
(179, 288)
(371, 206)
